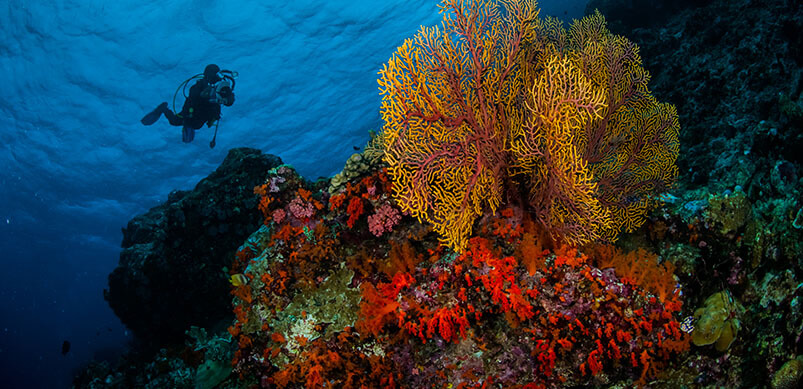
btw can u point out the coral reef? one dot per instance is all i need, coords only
(319, 288)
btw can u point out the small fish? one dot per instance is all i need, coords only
(687, 325)
(356, 148)
(238, 279)
(65, 347)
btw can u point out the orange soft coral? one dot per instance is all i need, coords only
(639, 267)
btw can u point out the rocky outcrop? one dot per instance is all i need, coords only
(733, 69)
(170, 274)
(632, 14)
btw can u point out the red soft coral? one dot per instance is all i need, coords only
(447, 321)
(355, 210)
(376, 310)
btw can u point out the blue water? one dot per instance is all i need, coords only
(76, 164)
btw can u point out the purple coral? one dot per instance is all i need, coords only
(274, 182)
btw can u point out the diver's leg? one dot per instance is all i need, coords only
(174, 119)
(154, 115)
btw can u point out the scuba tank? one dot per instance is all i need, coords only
(220, 92)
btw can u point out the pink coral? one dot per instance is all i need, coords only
(383, 220)
(278, 215)
(301, 209)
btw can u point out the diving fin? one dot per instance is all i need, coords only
(154, 115)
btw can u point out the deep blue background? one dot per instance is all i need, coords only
(76, 165)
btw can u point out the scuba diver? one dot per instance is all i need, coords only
(213, 88)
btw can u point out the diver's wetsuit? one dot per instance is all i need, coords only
(203, 111)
